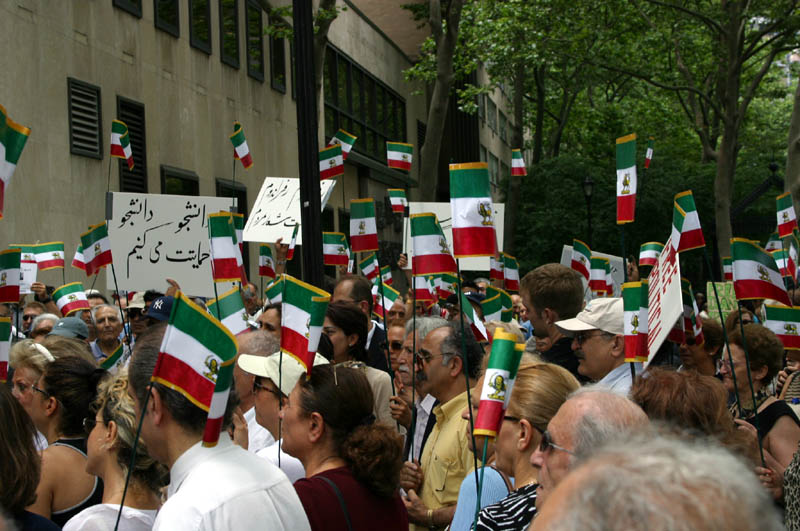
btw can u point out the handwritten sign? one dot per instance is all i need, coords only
(445, 215)
(665, 302)
(727, 299)
(277, 210)
(617, 273)
(155, 237)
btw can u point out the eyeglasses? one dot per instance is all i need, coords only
(135, 313)
(88, 424)
(512, 419)
(257, 386)
(396, 345)
(42, 391)
(28, 317)
(426, 357)
(547, 443)
(581, 337)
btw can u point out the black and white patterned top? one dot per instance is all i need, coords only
(514, 512)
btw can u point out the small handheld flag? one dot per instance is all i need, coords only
(398, 155)
(266, 263)
(626, 178)
(369, 266)
(774, 243)
(511, 272)
(331, 162)
(755, 273)
(13, 137)
(96, 248)
(78, 261)
(121, 142)
(785, 323)
(335, 251)
(518, 163)
(301, 320)
(496, 268)
(727, 268)
(787, 220)
(686, 231)
(648, 156)
(292, 243)
(344, 139)
(648, 253)
(386, 275)
(70, 298)
(692, 324)
(497, 305)
(382, 305)
(472, 317)
(597, 276)
(226, 258)
(634, 301)
(229, 308)
(397, 198)
(241, 151)
(112, 362)
(49, 255)
(498, 383)
(581, 258)
(363, 229)
(274, 292)
(431, 251)
(471, 205)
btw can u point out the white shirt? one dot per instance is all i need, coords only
(103, 517)
(258, 437)
(372, 332)
(226, 487)
(424, 408)
(291, 466)
(619, 379)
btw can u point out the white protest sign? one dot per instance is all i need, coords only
(617, 272)
(445, 215)
(277, 210)
(28, 268)
(156, 236)
(664, 299)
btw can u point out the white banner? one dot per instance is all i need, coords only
(157, 236)
(664, 300)
(277, 210)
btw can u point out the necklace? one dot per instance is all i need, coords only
(746, 412)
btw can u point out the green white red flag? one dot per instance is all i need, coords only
(344, 139)
(686, 231)
(115, 360)
(497, 305)
(498, 383)
(331, 162)
(692, 325)
(121, 142)
(363, 230)
(274, 291)
(446, 285)
(727, 268)
(49, 255)
(511, 272)
(241, 151)
(229, 309)
(475, 322)
(266, 262)
(399, 155)
(626, 178)
(597, 276)
(70, 298)
(386, 275)
(12, 141)
(787, 220)
(755, 273)
(196, 360)
(422, 289)
(581, 258)
(78, 261)
(496, 268)
(785, 266)
(397, 198)
(382, 304)
(292, 242)
(369, 266)
(431, 251)
(5, 347)
(648, 253)
(335, 251)
(774, 243)
(648, 156)
(471, 205)
(301, 320)
(226, 257)
(96, 248)
(785, 323)
(635, 302)
(518, 163)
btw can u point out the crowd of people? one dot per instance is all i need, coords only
(377, 435)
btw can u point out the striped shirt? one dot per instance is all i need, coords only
(515, 511)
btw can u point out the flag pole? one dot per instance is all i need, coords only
(632, 364)
(385, 324)
(480, 488)
(233, 186)
(64, 271)
(125, 326)
(413, 362)
(95, 279)
(280, 369)
(750, 383)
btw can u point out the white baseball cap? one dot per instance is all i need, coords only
(606, 314)
(268, 367)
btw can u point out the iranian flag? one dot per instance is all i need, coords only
(648, 253)
(5, 347)
(112, 362)
(597, 275)
(386, 275)
(240, 149)
(474, 321)
(774, 242)
(96, 248)
(331, 162)
(196, 360)
(398, 155)
(121, 142)
(648, 156)
(634, 302)
(492, 305)
(518, 163)
(301, 321)
(507, 314)
(755, 274)
(511, 272)
(686, 231)
(382, 304)
(727, 268)
(274, 291)
(784, 323)
(784, 266)
(581, 258)
(334, 249)
(609, 281)
(12, 141)
(787, 220)
(369, 266)
(498, 383)
(292, 243)
(422, 290)
(229, 309)
(626, 178)
(344, 139)
(363, 230)
(496, 268)
(431, 252)
(70, 298)
(447, 285)
(692, 324)
(49, 255)
(226, 265)
(471, 204)
(78, 261)
(266, 263)
(397, 198)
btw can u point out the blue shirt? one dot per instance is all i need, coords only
(494, 489)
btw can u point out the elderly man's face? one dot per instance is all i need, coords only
(553, 463)
(271, 322)
(28, 315)
(394, 341)
(593, 350)
(430, 365)
(108, 324)
(397, 311)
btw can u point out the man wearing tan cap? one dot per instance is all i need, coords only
(598, 340)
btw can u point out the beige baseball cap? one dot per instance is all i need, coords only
(606, 314)
(268, 367)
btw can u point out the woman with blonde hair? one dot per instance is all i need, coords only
(112, 430)
(29, 360)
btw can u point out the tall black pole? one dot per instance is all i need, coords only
(307, 148)
(589, 220)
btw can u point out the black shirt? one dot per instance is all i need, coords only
(561, 354)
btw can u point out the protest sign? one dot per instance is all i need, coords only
(727, 299)
(665, 301)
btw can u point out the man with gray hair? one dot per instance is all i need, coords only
(590, 417)
(107, 321)
(42, 325)
(255, 343)
(658, 484)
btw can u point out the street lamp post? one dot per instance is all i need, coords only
(588, 185)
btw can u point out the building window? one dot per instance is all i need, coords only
(132, 113)
(493, 163)
(505, 172)
(85, 119)
(179, 182)
(277, 62)
(293, 67)
(492, 111)
(167, 17)
(227, 188)
(134, 7)
(503, 127)
(483, 154)
(362, 105)
(255, 41)
(229, 32)
(482, 107)
(200, 25)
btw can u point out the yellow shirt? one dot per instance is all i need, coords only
(446, 458)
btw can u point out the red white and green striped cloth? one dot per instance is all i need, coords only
(626, 178)
(386, 275)
(292, 242)
(755, 273)
(397, 198)
(229, 309)
(727, 267)
(446, 285)
(335, 251)
(498, 383)
(331, 162)
(471, 205)
(510, 272)
(78, 262)
(597, 276)
(115, 360)
(686, 231)
(96, 248)
(274, 291)
(648, 253)
(774, 242)
(399, 155)
(518, 163)
(70, 298)
(383, 304)
(266, 262)
(785, 323)
(581, 258)
(10, 272)
(648, 156)
(475, 322)
(363, 230)
(431, 251)
(196, 359)
(301, 320)
(241, 151)
(344, 139)
(12, 141)
(635, 302)
(369, 266)
(787, 220)
(121, 142)
(49, 255)
(692, 325)
(226, 257)
(785, 266)
(5, 347)
(496, 268)
(497, 305)
(422, 289)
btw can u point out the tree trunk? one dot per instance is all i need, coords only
(723, 188)
(515, 181)
(792, 179)
(320, 43)
(538, 132)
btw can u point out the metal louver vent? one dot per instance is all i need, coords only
(85, 119)
(132, 113)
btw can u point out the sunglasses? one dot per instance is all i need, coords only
(547, 443)
(396, 345)
(582, 337)
(88, 424)
(258, 385)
